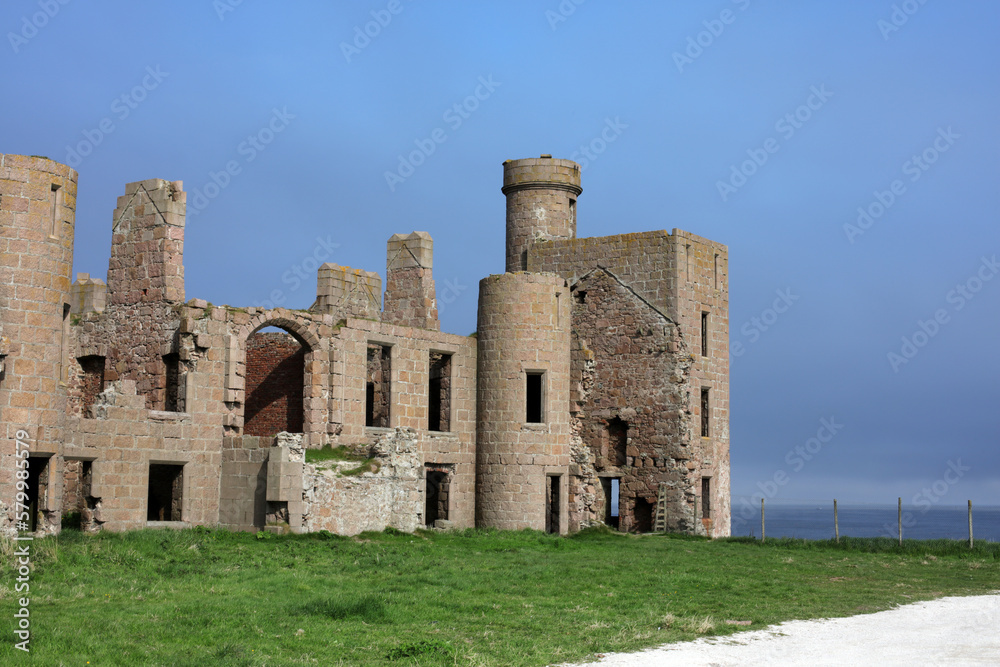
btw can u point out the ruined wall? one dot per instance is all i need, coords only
(125, 438)
(145, 285)
(410, 298)
(391, 496)
(524, 329)
(682, 275)
(632, 417)
(275, 368)
(345, 292)
(410, 361)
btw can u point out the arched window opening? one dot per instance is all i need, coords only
(275, 378)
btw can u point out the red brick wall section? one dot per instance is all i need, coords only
(275, 371)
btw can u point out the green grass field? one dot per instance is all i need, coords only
(209, 597)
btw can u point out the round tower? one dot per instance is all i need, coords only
(541, 204)
(37, 215)
(522, 402)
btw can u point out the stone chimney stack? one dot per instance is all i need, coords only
(410, 298)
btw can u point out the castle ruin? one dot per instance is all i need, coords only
(595, 389)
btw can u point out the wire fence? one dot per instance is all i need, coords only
(832, 520)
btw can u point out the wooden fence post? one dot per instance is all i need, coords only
(836, 523)
(970, 524)
(900, 514)
(761, 519)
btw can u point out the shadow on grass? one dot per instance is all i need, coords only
(367, 608)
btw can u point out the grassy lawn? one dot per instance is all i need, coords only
(203, 597)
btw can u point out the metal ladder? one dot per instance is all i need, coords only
(660, 519)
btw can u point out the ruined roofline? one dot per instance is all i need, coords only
(578, 279)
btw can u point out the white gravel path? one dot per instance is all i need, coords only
(949, 631)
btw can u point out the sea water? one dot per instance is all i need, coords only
(812, 522)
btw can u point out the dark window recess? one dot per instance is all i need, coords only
(91, 382)
(436, 496)
(38, 489)
(704, 412)
(552, 505)
(439, 393)
(706, 497)
(704, 334)
(610, 486)
(534, 414)
(377, 387)
(642, 516)
(166, 489)
(172, 374)
(580, 296)
(54, 200)
(617, 441)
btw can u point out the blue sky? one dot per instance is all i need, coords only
(760, 125)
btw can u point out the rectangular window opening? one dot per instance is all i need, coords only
(91, 382)
(706, 497)
(618, 440)
(535, 413)
(715, 269)
(572, 213)
(552, 516)
(438, 486)
(704, 412)
(704, 334)
(54, 197)
(166, 489)
(439, 393)
(172, 378)
(610, 486)
(687, 262)
(64, 345)
(377, 387)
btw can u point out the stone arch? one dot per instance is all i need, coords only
(315, 368)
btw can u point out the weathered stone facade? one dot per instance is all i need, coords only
(595, 389)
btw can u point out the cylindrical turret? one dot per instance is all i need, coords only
(37, 216)
(541, 203)
(522, 406)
